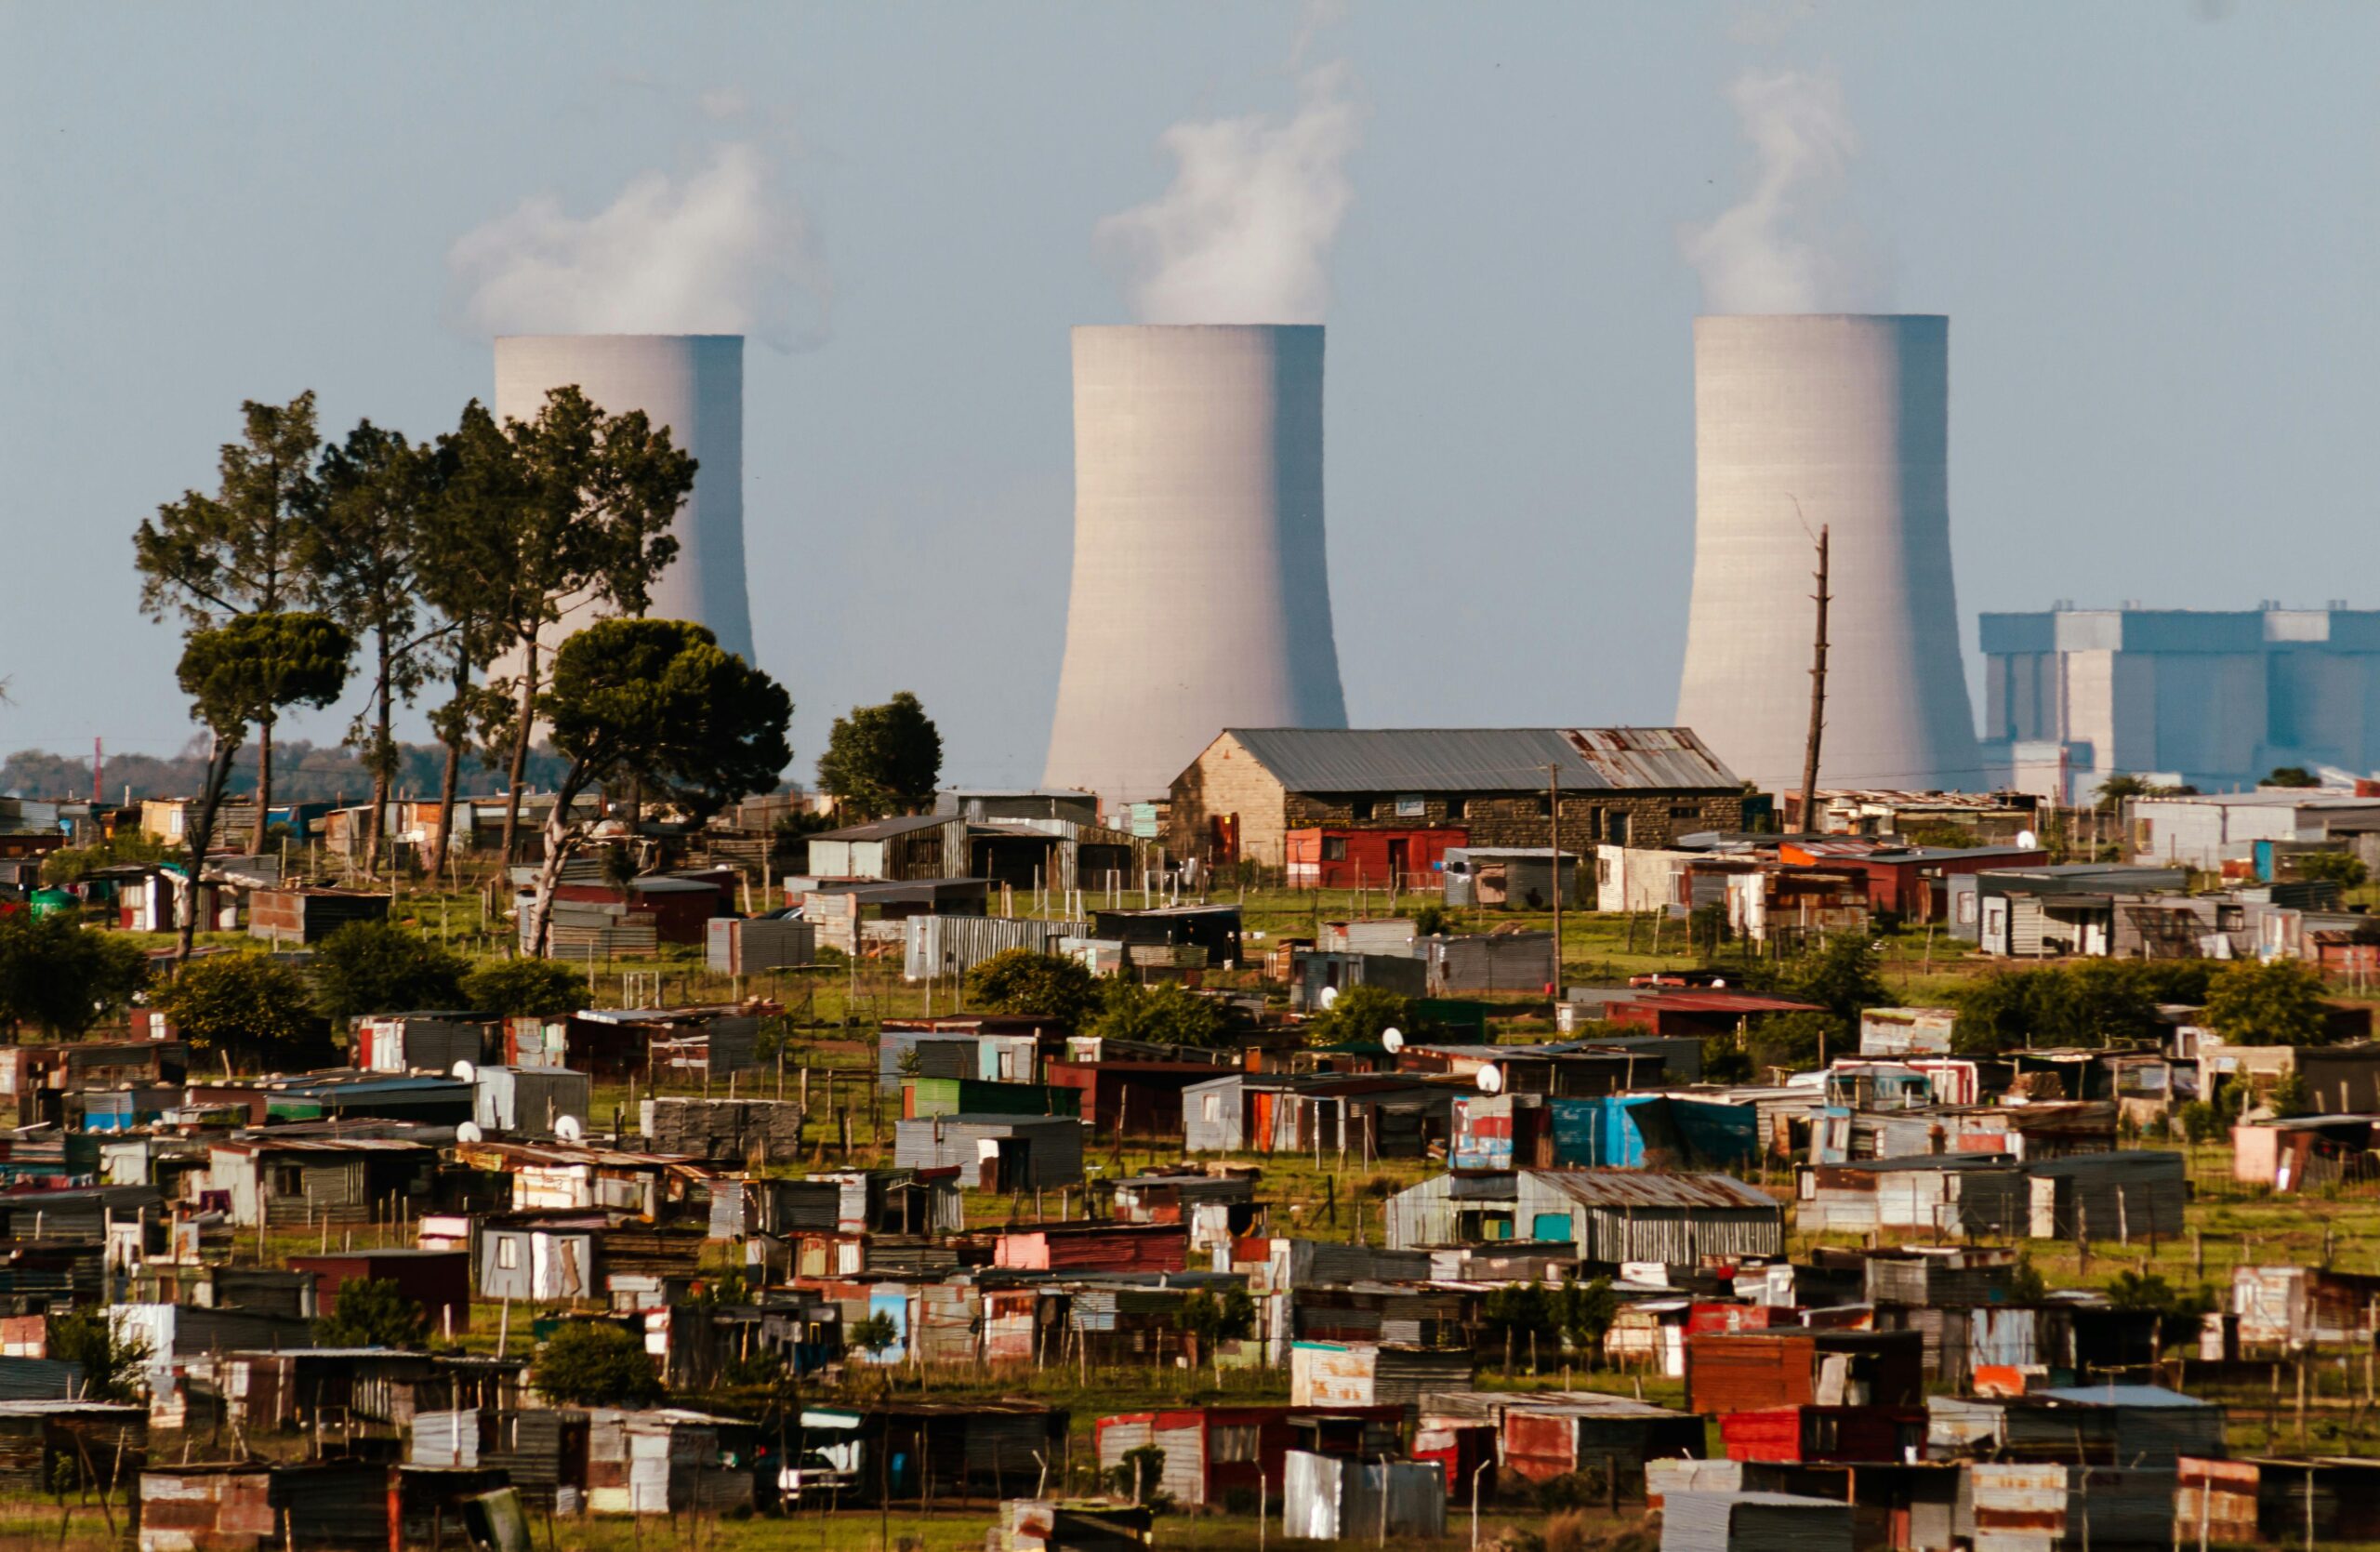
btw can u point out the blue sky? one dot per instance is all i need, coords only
(2153, 226)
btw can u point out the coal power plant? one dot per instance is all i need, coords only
(1841, 421)
(1201, 592)
(694, 384)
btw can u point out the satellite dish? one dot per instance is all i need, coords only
(2027, 838)
(470, 1132)
(1491, 1080)
(1330, 995)
(1718, 983)
(569, 1128)
(1393, 1038)
(467, 1072)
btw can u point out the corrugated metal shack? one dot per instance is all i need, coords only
(668, 1461)
(1216, 1454)
(1973, 1194)
(737, 946)
(1757, 1371)
(915, 1451)
(995, 1153)
(2039, 1507)
(721, 1129)
(1551, 1434)
(2240, 1503)
(1616, 1216)
(2130, 1194)
(947, 945)
(301, 918)
(1494, 962)
(530, 1099)
(46, 1443)
(1326, 1498)
(426, 1041)
(952, 1097)
(1365, 1374)
(1753, 1522)
(2132, 1424)
(200, 1509)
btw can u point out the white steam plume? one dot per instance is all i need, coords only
(721, 252)
(1242, 235)
(1791, 245)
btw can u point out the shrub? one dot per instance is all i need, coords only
(60, 977)
(375, 967)
(2275, 1003)
(1358, 1015)
(591, 1364)
(527, 988)
(1433, 920)
(249, 1003)
(1163, 1015)
(2343, 869)
(2201, 1122)
(111, 1362)
(373, 1312)
(1041, 986)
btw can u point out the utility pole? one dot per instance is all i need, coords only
(1554, 824)
(1817, 704)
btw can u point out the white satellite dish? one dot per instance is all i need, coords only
(1330, 995)
(1393, 1038)
(2027, 838)
(1718, 983)
(1491, 1080)
(470, 1132)
(569, 1128)
(467, 1072)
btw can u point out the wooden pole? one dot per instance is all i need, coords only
(1818, 698)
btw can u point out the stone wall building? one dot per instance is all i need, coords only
(1632, 786)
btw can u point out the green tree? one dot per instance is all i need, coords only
(2119, 786)
(2344, 868)
(362, 542)
(375, 967)
(1843, 977)
(373, 1312)
(2292, 776)
(74, 864)
(594, 1363)
(525, 989)
(2278, 1002)
(241, 551)
(1216, 1317)
(882, 760)
(656, 703)
(111, 1360)
(1433, 920)
(2288, 1099)
(58, 978)
(535, 516)
(250, 1005)
(1584, 1313)
(871, 1336)
(1039, 985)
(1164, 1014)
(2026, 1283)
(242, 672)
(1359, 1015)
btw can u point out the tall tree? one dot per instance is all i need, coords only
(239, 674)
(541, 516)
(883, 758)
(656, 702)
(363, 541)
(239, 551)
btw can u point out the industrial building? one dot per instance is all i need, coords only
(1843, 423)
(1242, 796)
(2214, 699)
(692, 384)
(1201, 594)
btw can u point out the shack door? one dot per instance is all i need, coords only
(1400, 860)
(1222, 837)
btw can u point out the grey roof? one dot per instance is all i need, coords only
(884, 829)
(1484, 760)
(2125, 1395)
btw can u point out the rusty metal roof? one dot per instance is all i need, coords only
(1645, 1188)
(1485, 760)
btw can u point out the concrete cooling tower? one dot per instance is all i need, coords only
(1201, 596)
(694, 384)
(1843, 421)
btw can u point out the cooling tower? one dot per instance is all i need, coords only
(694, 384)
(1201, 597)
(1842, 422)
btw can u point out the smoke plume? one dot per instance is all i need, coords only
(721, 252)
(1791, 244)
(1243, 234)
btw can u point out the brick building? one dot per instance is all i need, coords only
(1632, 786)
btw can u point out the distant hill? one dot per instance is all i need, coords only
(301, 773)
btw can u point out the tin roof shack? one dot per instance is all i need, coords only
(556, 1176)
(2023, 1508)
(1908, 883)
(2130, 1424)
(426, 1041)
(529, 1100)
(910, 1452)
(993, 1048)
(1659, 1131)
(1329, 1497)
(1950, 1277)
(1761, 1371)
(302, 1386)
(541, 1258)
(1753, 1522)
(248, 1505)
(1960, 1194)
(1492, 962)
(1345, 857)
(703, 1043)
(1693, 1012)
(2130, 1194)
(1041, 1525)
(1082, 1246)
(295, 1183)
(301, 918)
(1214, 929)
(1131, 1098)
(1622, 1215)
(2278, 1503)
(1575, 1069)
(1549, 1434)
(737, 946)
(342, 1094)
(1513, 877)
(1218, 1455)
(721, 1130)
(1824, 1433)
(1373, 1373)
(950, 1097)
(2305, 1152)
(31, 1072)
(2298, 1306)
(1314, 972)
(908, 846)
(46, 1444)
(438, 1280)
(997, 1153)
(950, 946)
(2061, 908)
(1906, 1031)
(669, 1461)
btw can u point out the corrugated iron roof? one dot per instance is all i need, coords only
(1487, 760)
(1645, 1188)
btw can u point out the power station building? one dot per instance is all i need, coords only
(694, 384)
(1841, 421)
(2212, 699)
(1201, 591)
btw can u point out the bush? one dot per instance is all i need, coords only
(1162, 1015)
(527, 988)
(373, 1312)
(592, 1363)
(2343, 869)
(1039, 985)
(871, 1336)
(2278, 1004)
(248, 1003)
(1433, 920)
(2201, 1122)
(375, 967)
(61, 977)
(110, 1363)
(2099, 1003)
(1358, 1015)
